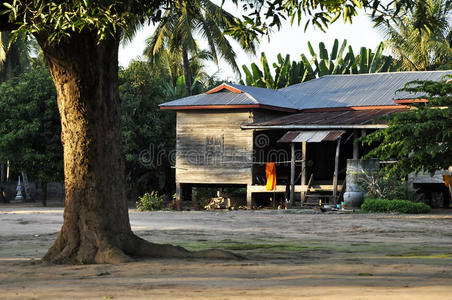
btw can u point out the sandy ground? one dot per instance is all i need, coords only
(290, 255)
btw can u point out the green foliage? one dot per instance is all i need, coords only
(377, 185)
(150, 201)
(264, 15)
(325, 63)
(420, 139)
(175, 34)
(148, 133)
(60, 19)
(377, 205)
(30, 132)
(14, 57)
(432, 48)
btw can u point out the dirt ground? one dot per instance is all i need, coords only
(290, 255)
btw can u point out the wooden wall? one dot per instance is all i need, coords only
(212, 148)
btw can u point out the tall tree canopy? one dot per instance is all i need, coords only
(14, 57)
(30, 131)
(433, 46)
(420, 139)
(80, 41)
(178, 29)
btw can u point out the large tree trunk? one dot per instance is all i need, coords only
(96, 225)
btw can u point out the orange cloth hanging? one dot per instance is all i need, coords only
(270, 171)
(447, 180)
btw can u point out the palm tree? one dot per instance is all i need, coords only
(182, 22)
(14, 57)
(169, 63)
(422, 48)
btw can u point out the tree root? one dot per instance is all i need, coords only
(152, 250)
(130, 248)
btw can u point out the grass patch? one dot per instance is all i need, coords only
(423, 255)
(258, 245)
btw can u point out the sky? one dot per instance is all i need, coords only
(289, 40)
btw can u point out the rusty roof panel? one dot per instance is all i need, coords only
(288, 137)
(350, 117)
(333, 135)
(316, 136)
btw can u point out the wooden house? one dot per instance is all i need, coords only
(226, 136)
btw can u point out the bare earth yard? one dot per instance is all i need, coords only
(290, 255)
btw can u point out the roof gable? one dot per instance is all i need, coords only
(328, 92)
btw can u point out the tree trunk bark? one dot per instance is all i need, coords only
(96, 226)
(187, 73)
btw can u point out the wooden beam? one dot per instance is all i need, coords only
(347, 108)
(303, 170)
(292, 174)
(224, 86)
(298, 188)
(355, 144)
(336, 169)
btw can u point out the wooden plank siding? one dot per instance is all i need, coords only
(212, 148)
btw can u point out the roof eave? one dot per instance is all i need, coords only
(285, 127)
(238, 106)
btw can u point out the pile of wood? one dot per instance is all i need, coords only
(217, 203)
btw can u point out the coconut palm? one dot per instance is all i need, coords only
(170, 64)
(422, 48)
(14, 57)
(182, 22)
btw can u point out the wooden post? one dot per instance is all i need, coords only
(178, 196)
(355, 145)
(292, 174)
(336, 169)
(194, 200)
(7, 171)
(249, 198)
(303, 170)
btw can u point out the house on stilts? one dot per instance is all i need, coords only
(226, 136)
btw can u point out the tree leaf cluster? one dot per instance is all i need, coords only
(419, 139)
(30, 126)
(286, 72)
(148, 133)
(57, 20)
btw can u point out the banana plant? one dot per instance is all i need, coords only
(373, 62)
(286, 72)
(326, 62)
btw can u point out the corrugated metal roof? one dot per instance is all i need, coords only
(219, 98)
(316, 136)
(355, 90)
(377, 89)
(333, 118)
(248, 95)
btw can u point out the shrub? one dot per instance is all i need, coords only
(376, 205)
(377, 185)
(150, 201)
